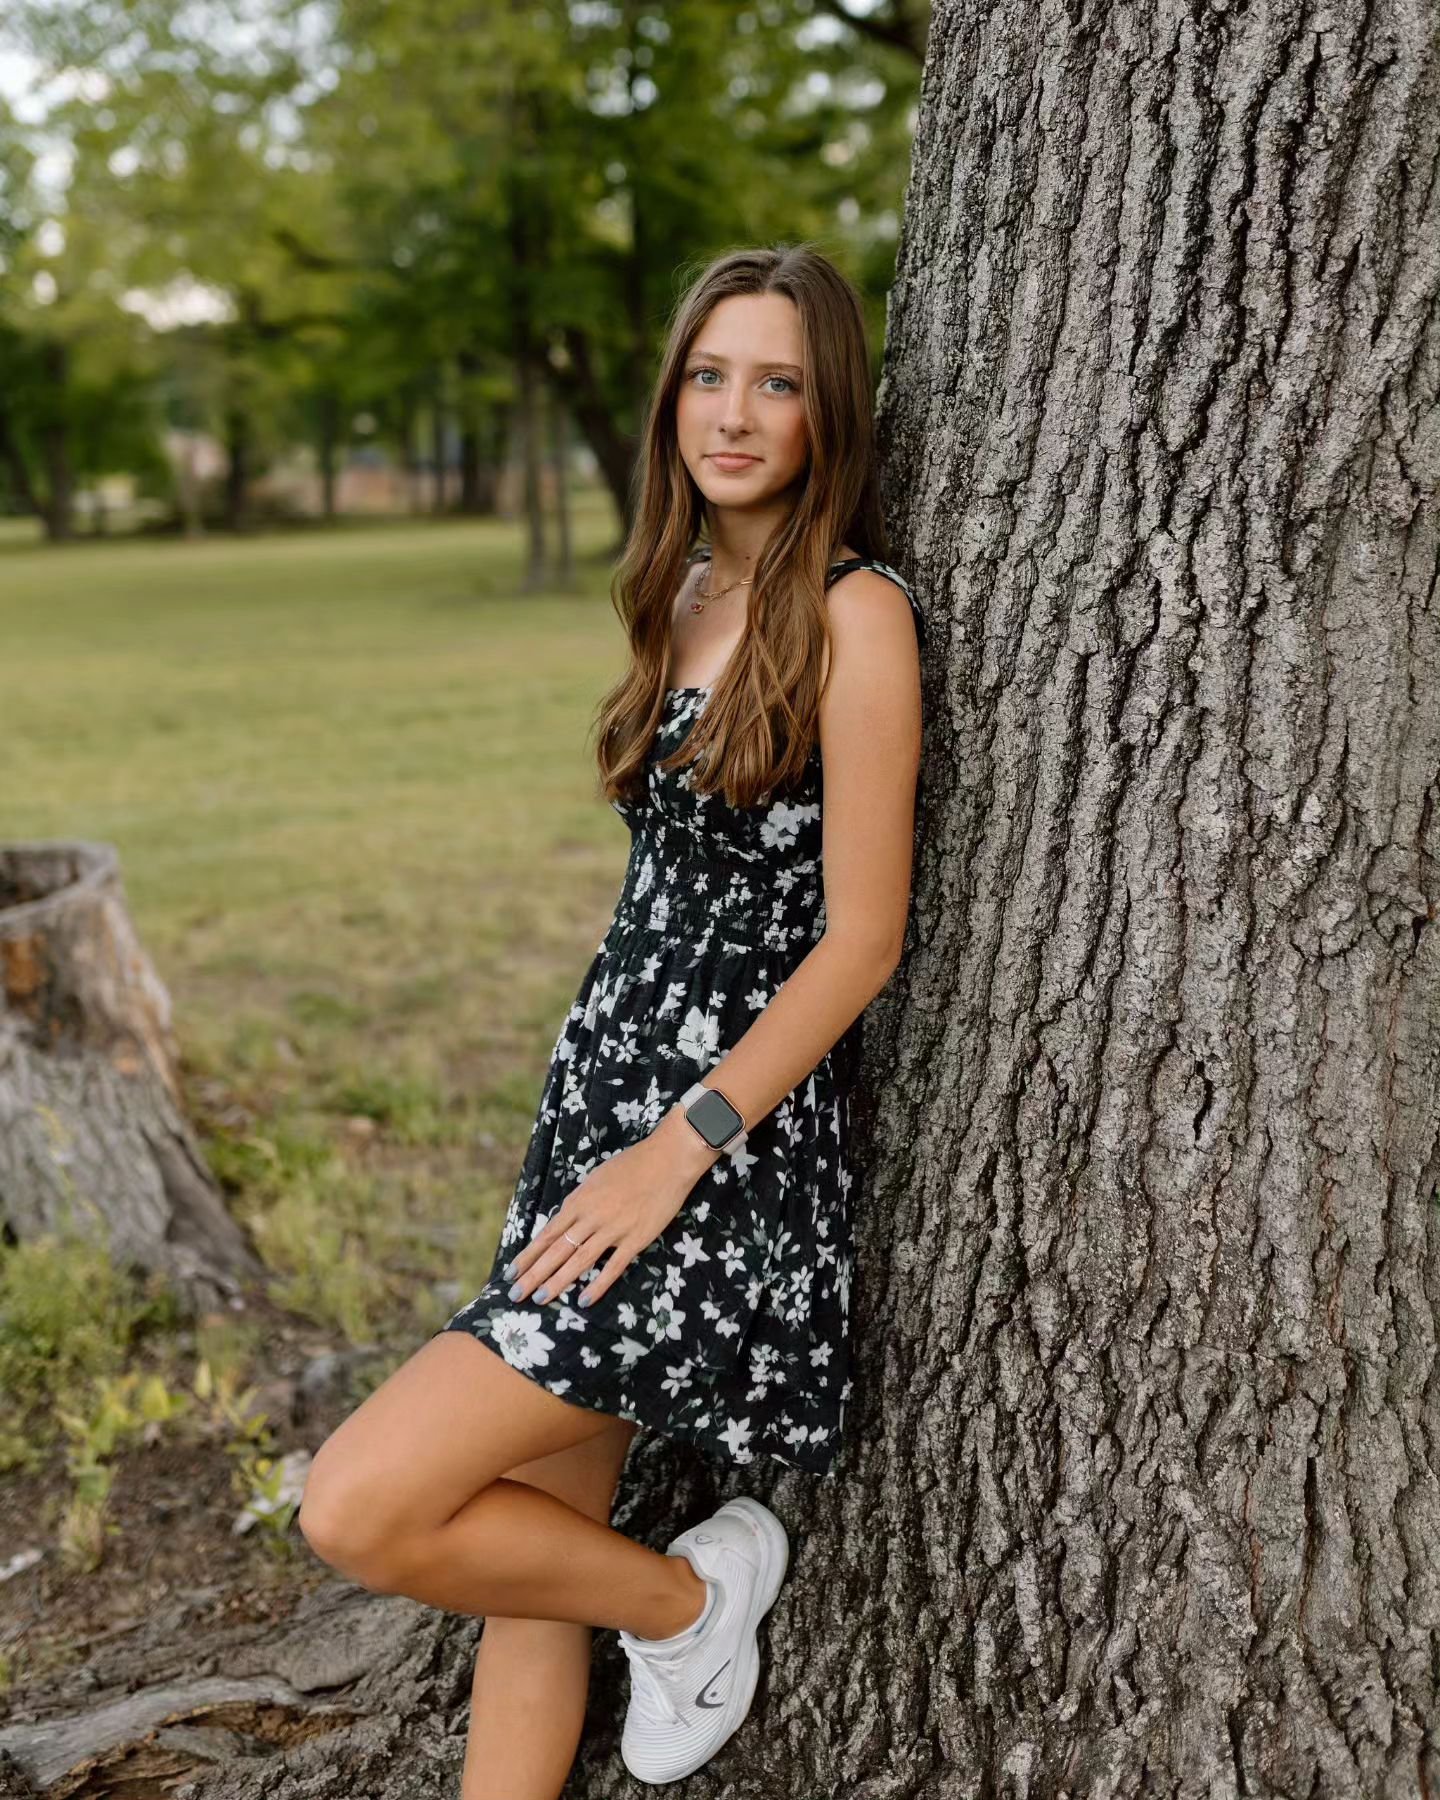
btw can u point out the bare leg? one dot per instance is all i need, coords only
(538, 1670)
(410, 1496)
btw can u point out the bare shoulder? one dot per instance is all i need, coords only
(873, 615)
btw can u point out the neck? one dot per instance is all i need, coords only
(738, 536)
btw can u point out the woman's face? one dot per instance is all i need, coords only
(740, 391)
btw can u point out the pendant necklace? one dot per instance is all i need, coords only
(699, 605)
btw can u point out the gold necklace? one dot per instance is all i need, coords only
(699, 605)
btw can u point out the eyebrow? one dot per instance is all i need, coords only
(710, 356)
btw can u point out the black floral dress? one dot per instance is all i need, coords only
(731, 1329)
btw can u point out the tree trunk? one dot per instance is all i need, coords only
(410, 459)
(237, 468)
(183, 454)
(559, 449)
(12, 456)
(614, 448)
(1151, 1254)
(471, 501)
(327, 424)
(59, 509)
(93, 1137)
(439, 498)
(494, 436)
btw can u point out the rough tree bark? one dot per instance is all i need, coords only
(93, 1135)
(1150, 1414)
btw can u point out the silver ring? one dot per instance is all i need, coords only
(574, 1241)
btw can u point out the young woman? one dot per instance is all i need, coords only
(678, 1250)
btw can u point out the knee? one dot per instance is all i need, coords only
(343, 1525)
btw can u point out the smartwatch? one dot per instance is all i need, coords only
(720, 1124)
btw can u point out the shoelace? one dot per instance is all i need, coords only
(652, 1670)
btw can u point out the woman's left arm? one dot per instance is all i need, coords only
(870, 730)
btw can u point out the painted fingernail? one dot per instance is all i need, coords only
(585, 1299)
(542, 1293)
(515, 1291)
(508, 1271)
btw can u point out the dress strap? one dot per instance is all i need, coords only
(849, 564)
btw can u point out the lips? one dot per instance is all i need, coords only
(733, 459)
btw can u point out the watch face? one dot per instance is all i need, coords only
(714, 1117)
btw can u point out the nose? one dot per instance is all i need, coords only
(736, 417)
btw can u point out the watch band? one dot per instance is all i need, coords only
(688, 1099)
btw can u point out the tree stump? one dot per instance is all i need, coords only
(93, 1136)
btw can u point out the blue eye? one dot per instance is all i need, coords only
(708, 369)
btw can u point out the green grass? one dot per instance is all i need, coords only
(347, 776)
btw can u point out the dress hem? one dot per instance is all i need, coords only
(593, 1400)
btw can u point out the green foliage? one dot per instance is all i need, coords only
(410, 1108)
(257, 1476)
(311, 1216)
(269, 232)
(68, 1318)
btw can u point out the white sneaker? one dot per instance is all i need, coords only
(689, 1693)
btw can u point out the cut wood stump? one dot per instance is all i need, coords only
(93, 1135)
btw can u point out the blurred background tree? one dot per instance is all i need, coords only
(428, 240)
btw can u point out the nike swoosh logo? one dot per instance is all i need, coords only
(719, 1700)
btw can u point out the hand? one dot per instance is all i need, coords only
(621, 1206)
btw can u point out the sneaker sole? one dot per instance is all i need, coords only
(774, 1561)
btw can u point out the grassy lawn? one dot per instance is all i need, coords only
(348, 779)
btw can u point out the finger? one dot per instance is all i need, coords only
(523, 1261)
(552, 1256)
(595, 1290)
(569, 1270)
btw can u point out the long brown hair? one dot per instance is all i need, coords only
(761, 720)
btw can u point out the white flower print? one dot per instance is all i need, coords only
(736, 1434)
(519, 1338)
(742, 1159)
(698, 1037)
(674, 994)
(692, 1249)
(666, 1319)
(677, 1378)
(782, 824)
(642, 1116)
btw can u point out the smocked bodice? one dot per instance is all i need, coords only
(747, 876)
